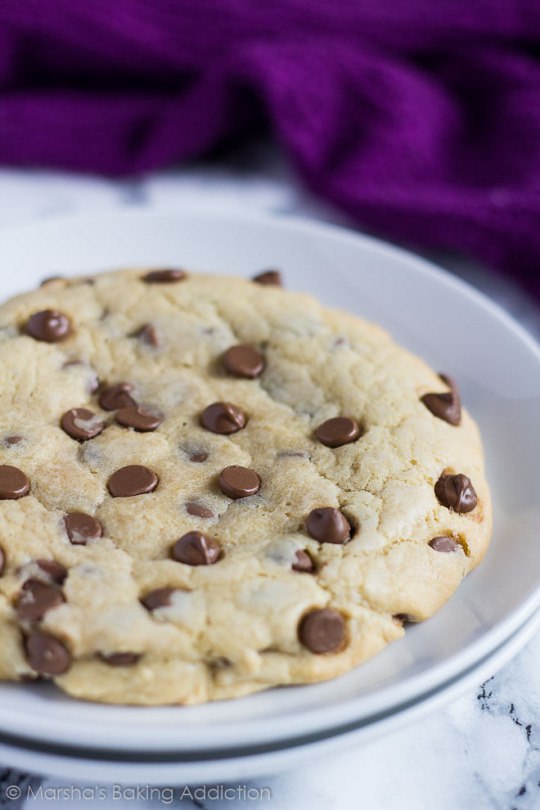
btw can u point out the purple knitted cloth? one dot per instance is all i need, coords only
(420, 118)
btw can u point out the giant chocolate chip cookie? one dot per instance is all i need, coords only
(209, 486)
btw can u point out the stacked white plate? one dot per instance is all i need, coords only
(494, 612)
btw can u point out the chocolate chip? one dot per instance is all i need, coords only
(13, 483)
(338, 431)
(328, 525)
(445, 406)
(164, 276)
(50, 326)
(444, 543)
(36, 598)
(405, 618)
(50, 280)
(198, 510)
(132, 480)
(269, 277)
(11, 440)
(196, 548)
(2, 561)
(244, 361)
(239, 482)
(138, 418)
(46, 654)
(120, 659)
(162, 597)
(148, 334)
(116, 396)
(456, 492)
(82, 424)
(322, 631)
(81, 528)
(198, 458)
(303, 562)
(54, 570)
(223, 418)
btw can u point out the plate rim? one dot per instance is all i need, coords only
(290, 222)
(268, 761)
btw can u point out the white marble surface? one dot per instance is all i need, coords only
(482, 752)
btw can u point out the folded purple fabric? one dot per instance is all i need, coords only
(420, 119)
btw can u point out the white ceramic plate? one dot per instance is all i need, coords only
(456, 329)
(238, 765)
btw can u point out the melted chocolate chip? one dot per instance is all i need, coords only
(117, 396)
(239, 482)
(54, 570)
(243, 361)
(13, 483)
(322, 631)
(269, 277)
(220, 663)
(456, 492)
(164, 276)
(198, 510)
(339, 342)
(138, 418)
(444, 543)
(148, 335)
(198, 458)
(36, 598)
(445, 406)
(338, 431)
(223, 418)
(303, 562)
(120, 659)
(82, 424)
(160, 598)
(50, 280)
(46, 654)
(81, 528)
(196, 548)
(2, 561)
(328, 525)
(132, 480)
(9, 441)
(405, 618)
(293, 454)
(49, 326)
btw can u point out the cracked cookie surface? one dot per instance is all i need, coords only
(210, 485)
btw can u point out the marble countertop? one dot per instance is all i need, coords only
(482, 751)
